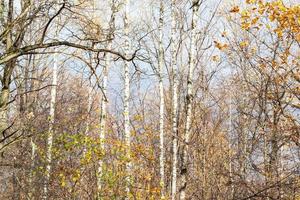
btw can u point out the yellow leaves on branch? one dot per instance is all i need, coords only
(138, 117)
(221, 46)
(245, 25)
(279, 32)
(244, 44)
(245, 14)
(254, 21)
(286, 19)
(215, 58)
(62, 179)
(251, 1)
(235, 9)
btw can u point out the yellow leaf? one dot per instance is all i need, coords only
(253, 50)
(245, 14)
(215, 58)
(63, 183)
(244, 43)
(297, 37)
(245, 25)
(221, 46)
(279, 32)
(261, 11)
(235, 9)
(250, 1)
(138, 117)
(254, 20)
(74, 179)
(272, 17)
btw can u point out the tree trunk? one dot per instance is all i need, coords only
(33, 105)
(4, 97)
(32, 166)
(103, 113)
(51, 129)
(126, 103)
(174, 102)
(189, 100)
(162, 103)
(6, 78)
(9, 66)
(87, 125)
(274, 166)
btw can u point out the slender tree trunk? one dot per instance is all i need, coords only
(189, 100)
(274, 165)
(2, 11)
(51, 129)
(86, 135)
(126, 103)
(104, 99)
(6, 78)
(33, 108)
(32, 144)
(8, 67)
(162, 103)
(4, 98)
(32, 166)
(88, 119)
(230, 146)
(16, 183)
(174, 101)
(103, 115)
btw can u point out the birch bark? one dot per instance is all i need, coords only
(126, 103)
(189, 100)
(104, 99)
(51, 129)
(32, 166)
(162, 105)
(174, 99)
(32, 142)
(88, 119)
(34, 109)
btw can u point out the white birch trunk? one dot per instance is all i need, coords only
(87, 125)
(126, 103)
(51, 129)
(33, 145)
(31, 173)
(104, 99)
(103, 115)
(162, 105)
(88, 119)
(189, 100)
(174, 103)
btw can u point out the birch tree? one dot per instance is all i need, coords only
(231, 110)
(189, 100)
(49, 142)
(33, 87)
(162, 103)
(15, 33)
(88, 120)
(104, 99)
(174, 100)
(126, 102)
